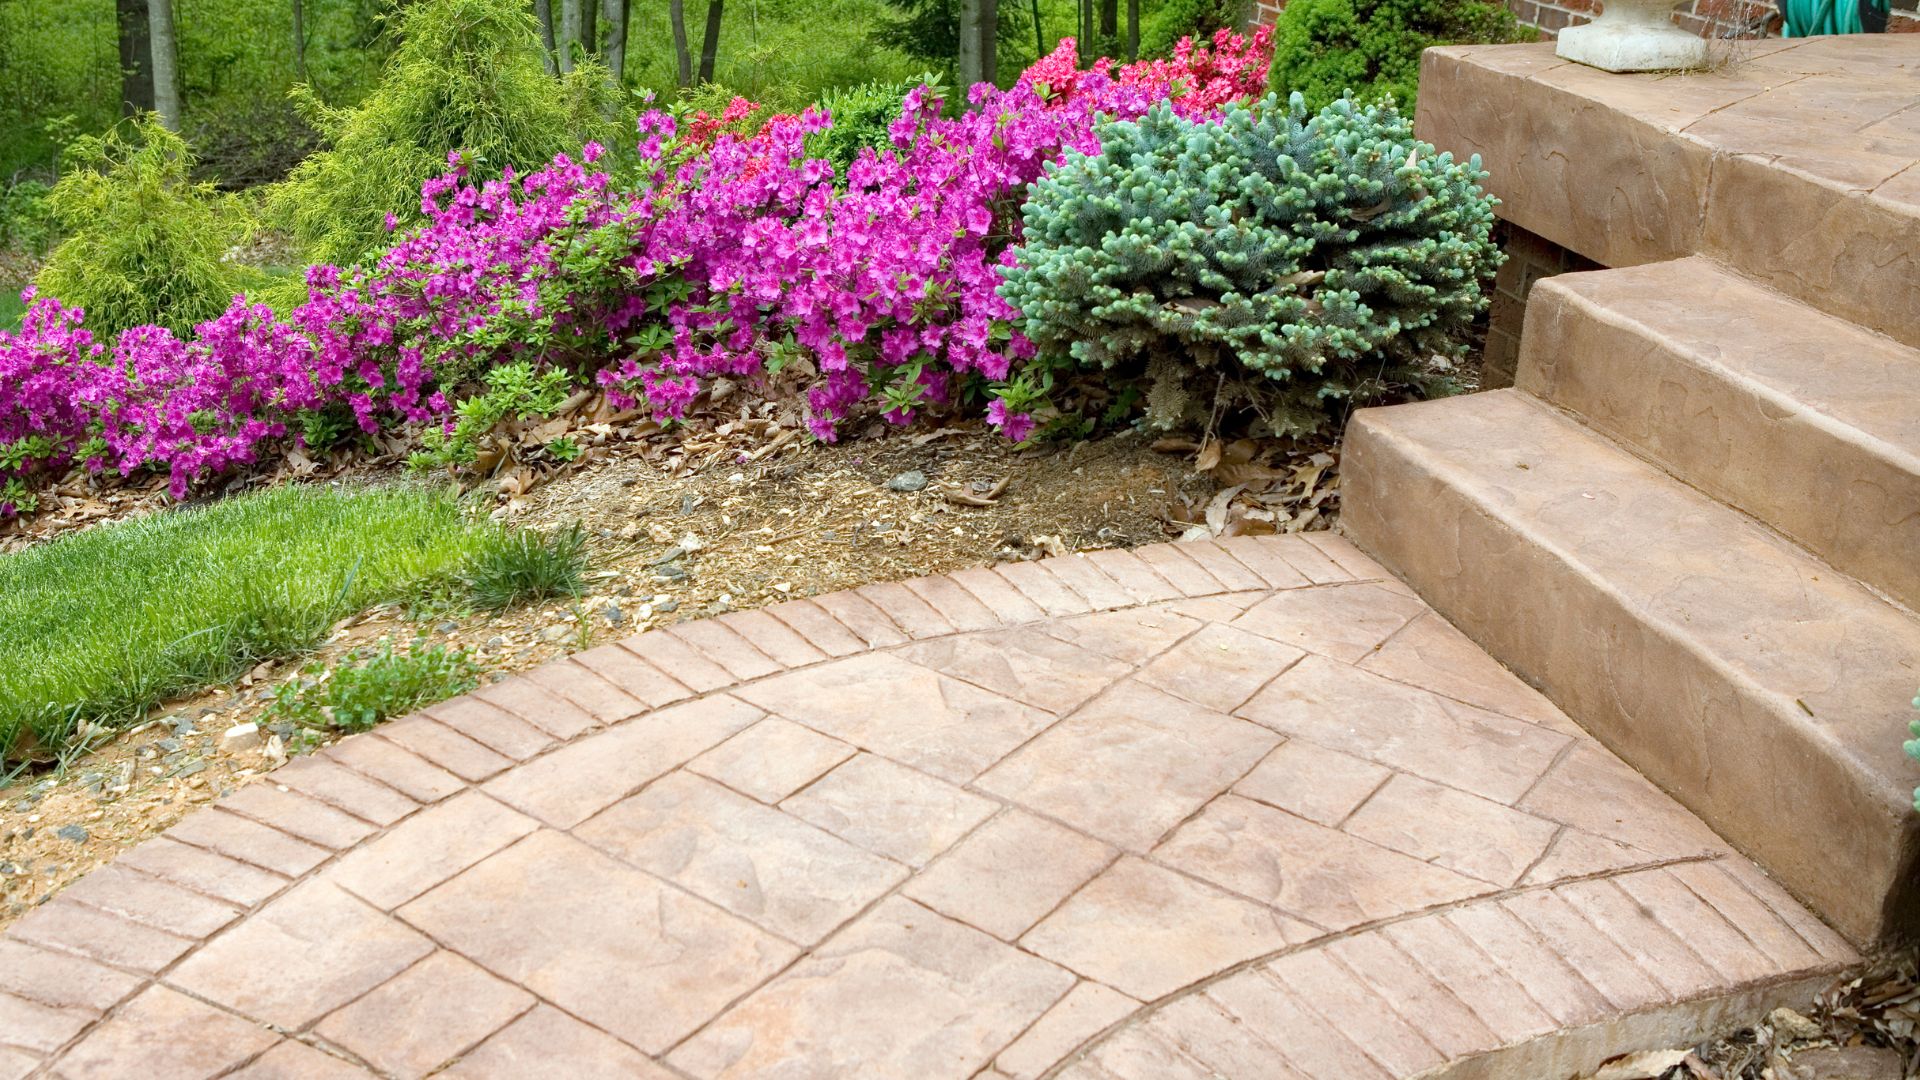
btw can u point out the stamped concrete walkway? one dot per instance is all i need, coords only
(1244, 810)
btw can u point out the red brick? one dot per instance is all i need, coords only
(321, 777)
(248, 841)
(1049, 593)
(1215, 560)
(621, 686)
(34, 1026)
(955, 604)
(912, 614)
(445, 747)
(1181, 572)
(529, 699)
(859, 615)
(1126, 569)
(203, 871)
(997, 596)
(820, 629)
(401, 770)
(59, 980)
(1261, 554)
(717, 643)
(671, 654)
(773, 637)
(73, 927)
(167, 1034)
(1086, 579)
(131, 894)
(492, 727)
(297, 815)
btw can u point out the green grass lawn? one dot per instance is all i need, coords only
(11, 310)
(105, 624)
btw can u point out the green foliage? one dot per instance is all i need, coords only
(521, 566)
(366, 688)
(861, 116)
(145, 243)
(27, 223)
(467, 77)
(1913, 748)
(1285, 261)
(1197, 19)
(1325, 48)
(514, 391)
(103, 624)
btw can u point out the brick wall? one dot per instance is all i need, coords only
(1530, 257)
(1709, 18)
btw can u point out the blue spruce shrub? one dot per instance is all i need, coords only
(1913, 748)
(1271, 259)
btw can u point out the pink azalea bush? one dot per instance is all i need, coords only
(722, 251)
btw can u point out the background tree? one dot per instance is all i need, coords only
(136, 57)
(166, 62)
(710, 44)
(978, 30)
(543, 14)
(683, 59)
(613, 13)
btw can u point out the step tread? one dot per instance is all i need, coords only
(1762, 607)
(1803, 357)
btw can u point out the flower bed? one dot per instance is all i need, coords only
(714, 250)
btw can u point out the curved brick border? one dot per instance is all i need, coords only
(1242, 809)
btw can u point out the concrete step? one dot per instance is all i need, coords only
(1766, 692)
(1807, 422)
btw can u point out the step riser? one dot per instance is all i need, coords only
(1850, 498)
(1740, 757)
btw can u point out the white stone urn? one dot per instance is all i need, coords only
(1634, 35)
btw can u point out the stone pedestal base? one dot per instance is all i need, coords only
(1633, 37)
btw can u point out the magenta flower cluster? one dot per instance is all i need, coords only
(718, 253)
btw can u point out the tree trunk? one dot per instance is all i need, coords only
(543, 13)
(570, 19)
(1109, 20)
(590, 27)
(1133, 30)
(614, 12)
(299, 41)
(677, 14)
(710, 45)
(1086, 27)
(1039, 32)
(979, 19)
(166, 63)
(136, 58)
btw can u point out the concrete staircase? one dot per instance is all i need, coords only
(1694, 524)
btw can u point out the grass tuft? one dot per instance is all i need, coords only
(103, 625)
(524, 566)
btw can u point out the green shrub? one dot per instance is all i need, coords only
(467, 77)
(368, 687)
(861, 117)
(103, 624)
(145, 243)
(1197, 19)
(1325, 48)
(1290, 262)
(27, 223)
(514, 391)
(521, 566)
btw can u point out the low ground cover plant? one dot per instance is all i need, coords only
(368, 686)
(1292, 263)
(106, 623)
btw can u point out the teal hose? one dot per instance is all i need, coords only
(1809, 18)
